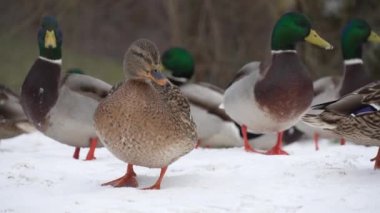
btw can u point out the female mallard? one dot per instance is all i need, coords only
(355, 116)
(12, 119)
(274, 97)
(355, 33)
(61, 108)
(215, 128)
(146, 120)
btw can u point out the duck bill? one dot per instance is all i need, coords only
(374, 37)
(315, 39)
(50, 40)
(159, 78)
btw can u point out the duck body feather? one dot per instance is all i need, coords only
(145, 124)
(271, 99)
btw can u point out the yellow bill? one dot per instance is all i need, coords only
(315, 39)
(373, 37)
(50, 40)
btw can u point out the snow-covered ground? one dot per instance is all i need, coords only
(39, 175)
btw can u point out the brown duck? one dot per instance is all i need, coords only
(145, 121)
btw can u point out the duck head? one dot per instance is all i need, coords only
(142, 60)
(50, 39)
(178, 64)
(295, 27)
(354, 35)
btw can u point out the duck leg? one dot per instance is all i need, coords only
(342, 141)
(157, 185)
(377, 160)
(316, 140)
(247, 146)
(198, 144)
(277, 149)
(129, 179)
(76, 153)
(91, 151)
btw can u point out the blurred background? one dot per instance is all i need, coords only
(223, 35)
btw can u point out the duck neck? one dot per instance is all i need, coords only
(354, 76)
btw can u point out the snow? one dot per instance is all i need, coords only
(39, 175)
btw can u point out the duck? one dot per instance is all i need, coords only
(61, 108)
(215, 128)
(13, 121)
(354, 35)
(145, 120)
(272, 97)
(354, 116)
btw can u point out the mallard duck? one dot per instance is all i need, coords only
(63, 108)
(12, 119)
(355, 116)
(146, 120)
(355, 33)
(273, 98)
(214, 127)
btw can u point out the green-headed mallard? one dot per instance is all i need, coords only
(355, 33)
(146, 120)
(13, 121)
(214, 127)
(355, 116)
(63, 108)
(273, 98)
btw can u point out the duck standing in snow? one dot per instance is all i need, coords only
(62, 109)
(214, 127)
(355, 33)
(273, 98)
(146, 120)
(13, 121)
(355, 116)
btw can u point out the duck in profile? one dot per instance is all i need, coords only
(146, 120)
(214, 127)
(61, 108)
(355, 116)
(273, 98)
(13, 121)
(354, 35)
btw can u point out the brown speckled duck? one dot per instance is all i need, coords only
(13, 121)
(61, 108)
(355, 116)
(146, 120)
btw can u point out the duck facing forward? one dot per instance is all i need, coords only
(355, 116)
(61, 108)
(273, 98)
(146, 120)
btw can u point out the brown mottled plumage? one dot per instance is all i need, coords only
(146, 120)
(355, 116)
(13, 121)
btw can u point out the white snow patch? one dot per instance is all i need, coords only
(39, 175)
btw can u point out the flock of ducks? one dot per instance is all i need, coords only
(155, 115)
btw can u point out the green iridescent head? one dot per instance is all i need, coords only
(354, 35)
(295, 27)
(179, 62)
(50, 39)
(75, 71)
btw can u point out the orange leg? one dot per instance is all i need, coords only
(277, 149)
(198, 144)
(157, 185)
(377, 160)
(342, 141)
(76, 153)
(90, 154)
(247, 146)
(129, 179)
(316, 139)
